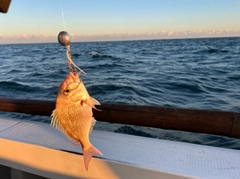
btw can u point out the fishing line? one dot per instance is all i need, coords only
(64, 25)
(64, 40)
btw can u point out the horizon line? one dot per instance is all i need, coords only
(124, 40)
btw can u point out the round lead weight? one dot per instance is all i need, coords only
(63, 38)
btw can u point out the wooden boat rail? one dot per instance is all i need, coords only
(202, 121)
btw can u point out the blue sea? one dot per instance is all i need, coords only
(199, 73)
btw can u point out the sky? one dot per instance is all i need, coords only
(38, 21)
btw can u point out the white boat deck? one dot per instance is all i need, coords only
(139, 157)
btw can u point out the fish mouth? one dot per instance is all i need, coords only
(73, 76)
(71, 83)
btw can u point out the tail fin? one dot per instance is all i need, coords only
(88, 154)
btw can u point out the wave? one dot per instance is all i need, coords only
(213, 50)
(10, 84)
(131, 131)
(76, 55)
(98, 54)
(208, 49)
(15, 86)
(14, 89)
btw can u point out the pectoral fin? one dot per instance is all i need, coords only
(91, 102)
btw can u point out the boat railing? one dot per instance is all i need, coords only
(191, 120)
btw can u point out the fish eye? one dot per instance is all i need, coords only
(67, 91)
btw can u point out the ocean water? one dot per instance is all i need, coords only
(185, 73)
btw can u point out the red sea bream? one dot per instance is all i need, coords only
(73, 114)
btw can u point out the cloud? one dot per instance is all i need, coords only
(170, 33)
(43, 38)
(25, 38)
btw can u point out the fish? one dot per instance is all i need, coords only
(73, 114)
